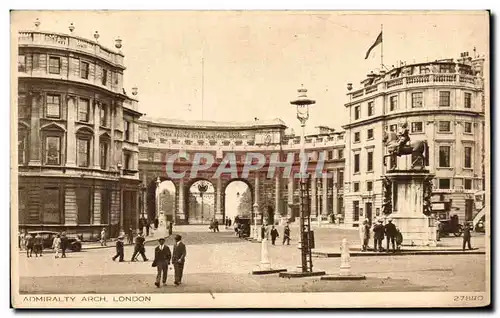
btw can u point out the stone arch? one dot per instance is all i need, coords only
(224, 197)
(151, 196)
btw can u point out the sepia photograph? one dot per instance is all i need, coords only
(250, 159)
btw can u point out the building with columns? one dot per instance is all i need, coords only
(161, 138)
(77, 135)
(442, 102)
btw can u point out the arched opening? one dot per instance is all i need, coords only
(238, 200)
(201, 202)
(167, 199)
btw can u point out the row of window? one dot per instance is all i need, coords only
(369, 162)
(52, 201)
(54, 67)
(417, 101)
(52, 145)
(445, 157)
(53, 111)
(442, 184)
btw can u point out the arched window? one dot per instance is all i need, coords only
(52, 137)
(83, 147)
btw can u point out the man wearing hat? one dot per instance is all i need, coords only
(119, 249)
(178, 259)
(390, 233)
(139, 248)
(161, 261)
(378, 237)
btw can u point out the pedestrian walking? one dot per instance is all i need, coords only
(170, 228)
(38, 245)
(56, 245)
(64, 244)
(103, 237)
(139, 248)
(467, 236)
(399, 239)
(178, 259)
(161, 261)
(230, 222)
(30, 243)
(130, 236)
(274, 235)
(216, 225)
(286, 235)
(378, 236)
(390, 233)
(120, 254)
(365, 235)
(148, 225)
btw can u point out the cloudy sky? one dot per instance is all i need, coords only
(255, 61)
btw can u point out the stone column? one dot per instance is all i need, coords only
(324, 198)
(112, 161)
(218, 206)
(35, 138)
(290, 196)
(71, 133)
(181, 212)
(256, 207)
(277, 210)
(335, 194)
(314, 205)
(96, 156)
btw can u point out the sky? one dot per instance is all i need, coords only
(255, 61)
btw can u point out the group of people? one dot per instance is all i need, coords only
(162, 259)
(214, 225)
(275, 234)
(380, 231)
(33, 243)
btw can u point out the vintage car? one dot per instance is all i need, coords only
(481, 226)
(449, 226)
(74, 243)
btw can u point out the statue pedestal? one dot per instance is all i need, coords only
(162, 226)
(408, 202)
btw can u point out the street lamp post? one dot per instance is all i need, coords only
(202, 188)
(305, 241)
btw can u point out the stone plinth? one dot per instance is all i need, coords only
(408, 199)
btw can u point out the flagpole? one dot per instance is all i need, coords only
(382, 47)
(202, 84)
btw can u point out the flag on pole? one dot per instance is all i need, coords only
(377, 42)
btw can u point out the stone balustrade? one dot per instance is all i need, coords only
(72, 43)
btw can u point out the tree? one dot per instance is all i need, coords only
(245, 206)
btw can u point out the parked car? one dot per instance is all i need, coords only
(74, 244)
(481, 226)
(450, 226)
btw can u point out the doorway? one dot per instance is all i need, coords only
(368, 211)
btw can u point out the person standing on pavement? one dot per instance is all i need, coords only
(274, 235)
(64, 244)
(390, 233)
(148, 225)
(378, 236)
(103, 237)
(170, 228)
(120, 254)
(139, 248)
(286, 235)
(216, 225)
(178, 259)
(467, 236)
(30, 242)
(365, 235)
(130, 235)
(38, 245)
(161, 261)
(56, 245)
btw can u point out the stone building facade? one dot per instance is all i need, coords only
(77, 136)
(442, 102)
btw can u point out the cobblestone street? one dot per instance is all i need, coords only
(220, 262)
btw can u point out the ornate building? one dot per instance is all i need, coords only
(77, 135)
(441, 102)
(161, 138)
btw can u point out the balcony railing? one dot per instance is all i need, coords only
(418, 80)
(70, 42)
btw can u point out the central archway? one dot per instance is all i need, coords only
(201, 202)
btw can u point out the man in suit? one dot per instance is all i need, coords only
(64, 244)
(178, 259)
(161, 261)
(286, 235)
(390, 233)
(119, 249)
(139, 248)
(467, 236)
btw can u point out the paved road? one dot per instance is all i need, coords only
(220, 262)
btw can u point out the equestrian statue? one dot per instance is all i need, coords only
(398, 144)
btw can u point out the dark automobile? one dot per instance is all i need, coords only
(450, 226)
(243, 226)
(481, 226)
(74, 244)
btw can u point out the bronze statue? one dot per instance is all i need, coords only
(400, 145)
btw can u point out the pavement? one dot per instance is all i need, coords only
(221, 262)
